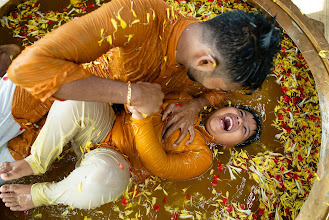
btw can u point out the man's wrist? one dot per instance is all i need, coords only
(135, 95)
(202, 102)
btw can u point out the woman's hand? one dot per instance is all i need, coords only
(136, 114)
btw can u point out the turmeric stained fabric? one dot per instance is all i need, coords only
(26, 109)
(138, 43)
(31, 114)
(141, 141)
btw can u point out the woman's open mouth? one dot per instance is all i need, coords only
(227, 122)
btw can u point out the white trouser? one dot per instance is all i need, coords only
(102, 176)
(9, 128)
(99, 178)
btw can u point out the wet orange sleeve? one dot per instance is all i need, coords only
(171, 165)
(56, 58)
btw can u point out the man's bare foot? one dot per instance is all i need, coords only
(15, 170)
(17, 197)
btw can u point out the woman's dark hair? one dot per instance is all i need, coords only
(247, 42)
(256, 135)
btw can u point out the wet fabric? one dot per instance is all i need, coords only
(9, 128)
(141, 142)
(81, 123)
(138, 43)
(101, 177)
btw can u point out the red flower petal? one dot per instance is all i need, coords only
(278, 177)
(174, 217)
(288, 130)
(286, 98)
(164, 199)
(121, 166)
(261, 211)
(229, 208)
(187, 196)
(220, 168)
(242, 206)
(214, 183)
(124, 201)
(156, 208)
(224, 201)
(136, 192)
(216, 176)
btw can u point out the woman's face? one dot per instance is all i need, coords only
(231, 126)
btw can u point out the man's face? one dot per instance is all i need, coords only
(212, 82)
(231, 126)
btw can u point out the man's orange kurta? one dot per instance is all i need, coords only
(138, 43)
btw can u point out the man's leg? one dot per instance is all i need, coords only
(82, 122)
(102, 176)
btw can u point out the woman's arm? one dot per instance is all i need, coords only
(175, 166)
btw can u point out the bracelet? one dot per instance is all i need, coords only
(129, 94)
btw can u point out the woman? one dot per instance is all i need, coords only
(134, 136)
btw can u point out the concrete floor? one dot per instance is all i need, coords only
(316, 9)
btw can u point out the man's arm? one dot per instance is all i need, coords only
(56, 59)
(147, 97)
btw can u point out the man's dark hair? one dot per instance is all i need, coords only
(247, 42)
(257, 132)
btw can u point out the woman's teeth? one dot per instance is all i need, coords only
(230, 122)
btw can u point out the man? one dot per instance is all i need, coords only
(148, 41)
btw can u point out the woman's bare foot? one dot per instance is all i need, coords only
(17, 197)
(15, 170)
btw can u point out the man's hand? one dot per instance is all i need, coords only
(181, 116)
(147, 98)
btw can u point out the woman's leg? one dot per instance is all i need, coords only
(80, 122)
(102, 176)
(5, 156)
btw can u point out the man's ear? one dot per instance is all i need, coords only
(206, 63)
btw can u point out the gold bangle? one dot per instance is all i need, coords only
(129, 94)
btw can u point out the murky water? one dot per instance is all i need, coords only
(200, 198)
